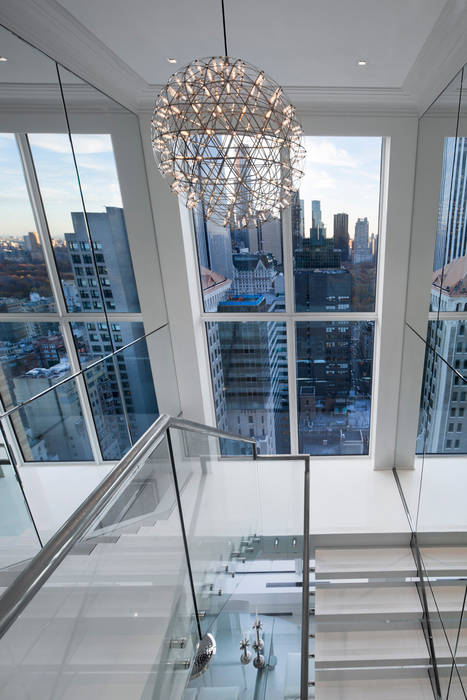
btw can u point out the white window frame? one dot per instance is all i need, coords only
(434, 127)
(126, 141)
(398, 168)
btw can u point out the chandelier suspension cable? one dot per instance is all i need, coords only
(223, 25)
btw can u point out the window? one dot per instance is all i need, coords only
(24, 284)
(334, 381)
(256, 385)
(37, 355)
(335, 234)
(438, 385)
(331, 265)
(56, 175)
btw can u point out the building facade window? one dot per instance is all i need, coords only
(445, 361)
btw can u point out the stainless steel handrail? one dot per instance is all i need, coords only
(41, 567)
(32, 578)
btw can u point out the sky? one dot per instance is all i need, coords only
(57, 179)
(344, 174)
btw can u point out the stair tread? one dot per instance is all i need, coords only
(381, 688)
(444, 559)
(364, 561)
(385, 645)
(342, 562)
(367, 600)
(368, 645)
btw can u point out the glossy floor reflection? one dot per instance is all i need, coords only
(273, 589)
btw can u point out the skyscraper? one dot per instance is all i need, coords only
(270, 238)
(298, 220)
(451, 242)
(316, 214)
(361, 249)
(112, 283)
(341, 234)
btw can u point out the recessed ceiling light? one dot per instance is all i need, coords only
(362, 62)
(3, 59)
(172, 60)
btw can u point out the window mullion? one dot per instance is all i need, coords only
(287, 253)
(67, 334)
(12, 439)
(292, 380)
(41, 220)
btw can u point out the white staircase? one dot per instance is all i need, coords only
(369, 641)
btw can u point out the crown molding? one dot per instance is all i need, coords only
(441, 57)
(46, 97)
(328, 100)
(48, 26)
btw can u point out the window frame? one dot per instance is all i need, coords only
(123, 129)
(399, 135)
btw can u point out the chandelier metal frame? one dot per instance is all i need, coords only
(228, 137)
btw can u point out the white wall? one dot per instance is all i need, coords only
(54, 492)
(181, 283)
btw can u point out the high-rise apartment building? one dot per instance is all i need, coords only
(316, 214)
(341, 234)
(451, 235)
(297, 210)
(361, 249)
(109, 273)
(444, 396)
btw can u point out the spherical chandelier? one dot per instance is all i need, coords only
(228, 137)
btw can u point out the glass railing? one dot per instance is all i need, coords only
(433, 493)
(177, 543)
(19, 539)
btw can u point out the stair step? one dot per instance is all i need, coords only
(363, 648)
(373, 562)
(396, 602)
(364, 562)
(117, 602)
(375, 689)
(89, 643)
(445, 561)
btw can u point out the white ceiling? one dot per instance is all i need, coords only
(311, 47)
(298, 42)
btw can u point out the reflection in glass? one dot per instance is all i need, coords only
(18, 538)
(24, 283)
(335, 234)
(93, 341)
(250, 381)
(448, 291)
(106, 623)
(444, 390)
(52, 428)
(334, 379)
(240, 263)
(32, 358)
(112, 285)
(449, 286)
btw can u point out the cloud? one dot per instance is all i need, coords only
(82, 143)
(323, 152)
(317, 179)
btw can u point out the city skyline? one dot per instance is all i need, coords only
(57, 178)
(330, 167)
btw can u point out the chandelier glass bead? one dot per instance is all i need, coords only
(228, 138)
